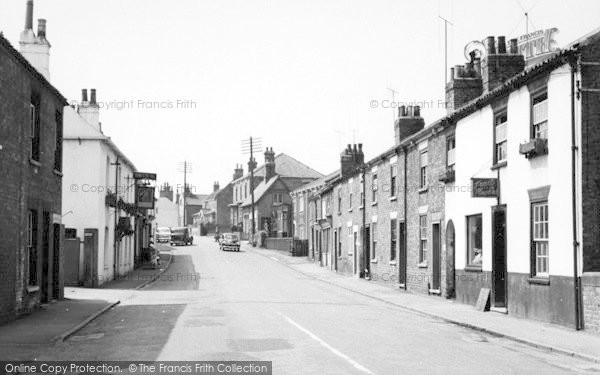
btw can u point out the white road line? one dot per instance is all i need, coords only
(275, 259)
(355, 364)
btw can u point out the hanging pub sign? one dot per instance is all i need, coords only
(539, 42)
(144, 176)
(484, 187)
(144, 197)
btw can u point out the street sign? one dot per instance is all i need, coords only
(484, 187)
(144, 176)
(144, 197)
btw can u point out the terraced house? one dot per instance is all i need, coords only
(498, 200)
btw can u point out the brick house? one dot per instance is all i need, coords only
(273, 182)
(215, 210)
(31, 163)
(527, 228)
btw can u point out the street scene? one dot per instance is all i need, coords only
(257, 187)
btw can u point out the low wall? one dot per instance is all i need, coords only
(590, 284)
(279, 243)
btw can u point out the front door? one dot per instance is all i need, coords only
(450, 269)
(402, 253)
(45, 287)
(367, 257)
(436, 258)
(499, 256)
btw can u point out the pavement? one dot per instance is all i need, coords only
(580, 344)
(59, 320)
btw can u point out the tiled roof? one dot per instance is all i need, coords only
(260, 191)
(287, 166)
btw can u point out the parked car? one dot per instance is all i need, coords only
(163, 234)
(230, 241)
(181, 236)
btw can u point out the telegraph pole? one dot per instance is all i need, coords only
(186, 168)
(249, 146)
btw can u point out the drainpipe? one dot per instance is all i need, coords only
(364, 228)
(404, 149)
(574, 149)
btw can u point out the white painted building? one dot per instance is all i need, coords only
(93, 169)
(514, 211)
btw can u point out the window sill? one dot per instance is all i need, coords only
(373, 260)
(349, 210)
(423, 190)
(499, 165)
(58, 173)
(33, 289)
(393, 263)
(473, 268)
(539, 280)
(374, 204)
(35, 162)
(423, 264)
(350, 254)
(361, 207)
(393, 198)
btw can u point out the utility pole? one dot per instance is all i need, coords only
(117, 164)
(186, 168)
(446, 22)
(249, 146)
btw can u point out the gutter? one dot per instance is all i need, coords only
(576, 279)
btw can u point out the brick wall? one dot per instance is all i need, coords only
(591, 301)
(27, 185)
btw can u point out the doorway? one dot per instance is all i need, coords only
(436, 258)
(499, 256)
(402, 253)
(367, 255)
(45, 295)
(450, 269)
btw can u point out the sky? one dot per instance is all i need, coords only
(190, 79)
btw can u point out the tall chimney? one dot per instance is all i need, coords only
(269, 164)
(29, 15)
(93, 97)
(216, 186)
(35, 49)
(84, 96)
(408, 123)
(351, 159)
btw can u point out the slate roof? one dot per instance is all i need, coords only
(260, 191)
(287, 166)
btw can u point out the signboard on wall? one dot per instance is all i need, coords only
(144, 176)
(484, 187)
(144, 197)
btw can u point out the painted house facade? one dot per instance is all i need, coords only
(31, 128)
(99, 197)
(527, 229)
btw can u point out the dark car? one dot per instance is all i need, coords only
(181, 236)
(229, 241)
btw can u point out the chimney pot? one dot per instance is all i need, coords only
(84, 96)
(402, 111)
(416, 111)
(501, 45)
(29, 15)
(514, 49)
(93, 96)
(452, 73)
(490, 45)
(41, 28)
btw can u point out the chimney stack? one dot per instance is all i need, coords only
(351, 159)
(465, 84)
(269, 164)
(408, 123)
(498, 66)
(216, 186)
(35, 49)
(89, 111)
(238, 172)
(166, 191)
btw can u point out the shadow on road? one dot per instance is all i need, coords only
(181, 275)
